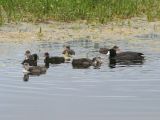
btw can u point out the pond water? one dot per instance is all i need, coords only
(63, 93)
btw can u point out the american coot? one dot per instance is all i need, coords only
(134, 57)
(53, 60)
(125, 57)
(86, 63)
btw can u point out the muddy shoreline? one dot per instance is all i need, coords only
(62, 32)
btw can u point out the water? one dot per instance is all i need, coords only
(123, 93)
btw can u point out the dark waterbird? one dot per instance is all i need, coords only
(134, 57)
(127, 57)
(53, 60)
(86, 62)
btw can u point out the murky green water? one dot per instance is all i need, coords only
(63, 93)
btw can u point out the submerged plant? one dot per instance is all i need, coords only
(40, 34)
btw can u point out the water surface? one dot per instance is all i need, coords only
(63, 93)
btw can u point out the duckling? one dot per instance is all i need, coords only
(34, 70)
(103, 50)
(68, 53)
(86, 63)
(53, 60)
(97, 62)
(35, 59)
(30, 58)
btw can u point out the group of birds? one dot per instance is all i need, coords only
(31, 67)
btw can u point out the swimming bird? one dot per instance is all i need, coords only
(130, 56)
(53, 60)
(125, 57)
(68, 53)
(86, 62)
(30, 58)
(34, 70)
(103, 50)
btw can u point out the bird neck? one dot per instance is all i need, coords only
(112, 53)
(46, 61)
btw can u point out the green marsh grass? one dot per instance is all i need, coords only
(100, 11)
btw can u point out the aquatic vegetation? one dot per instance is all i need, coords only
(100, 11)
(40, 34)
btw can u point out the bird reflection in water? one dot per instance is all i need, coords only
(112, 63)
